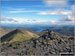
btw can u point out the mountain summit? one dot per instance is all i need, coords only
(47, 44)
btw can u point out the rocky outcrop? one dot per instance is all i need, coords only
(47, 44)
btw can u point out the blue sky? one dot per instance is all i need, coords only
(37, 12)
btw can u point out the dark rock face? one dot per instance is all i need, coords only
(47, 44)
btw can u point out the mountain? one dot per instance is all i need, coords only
(65, 30)
(18, 35)
(49, 43)
(62, 30)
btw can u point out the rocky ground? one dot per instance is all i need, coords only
(49, 43)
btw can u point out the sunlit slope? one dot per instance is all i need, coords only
(18, 35)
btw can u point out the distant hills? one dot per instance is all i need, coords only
(65, 30)
(69, 31)
(21, 34)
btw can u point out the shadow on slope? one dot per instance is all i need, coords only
(17, 35)
(9, 35)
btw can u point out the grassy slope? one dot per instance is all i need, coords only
(23, 36)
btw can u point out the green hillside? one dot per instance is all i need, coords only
(23, 36)
(18, 35)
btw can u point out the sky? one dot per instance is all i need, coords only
(45, 12)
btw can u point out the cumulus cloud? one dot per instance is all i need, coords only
(27, 21)
(73, 10)
(70, 17)
(13, 20)
(20, 21)
(69, 13)
(64, 21)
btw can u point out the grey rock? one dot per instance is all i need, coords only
(47, 44)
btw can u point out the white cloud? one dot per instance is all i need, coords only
(19, 21)
(55, 2)
(57, 23)
(71, 17)
(20, 11)
(13, 20)
(15, 9)
(27, 21)
(56, 12)
(73, 10)
(65, 23)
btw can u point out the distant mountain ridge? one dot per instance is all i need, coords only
(65, 30)
(62, 30)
